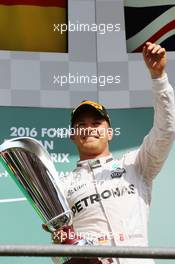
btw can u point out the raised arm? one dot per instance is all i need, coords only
(157, 144)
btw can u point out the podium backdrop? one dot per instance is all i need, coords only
(30, 79)
(19, 223)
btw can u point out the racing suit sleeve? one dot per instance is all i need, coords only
(157, 144)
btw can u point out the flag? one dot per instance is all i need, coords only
(28, 25)
(152, 21)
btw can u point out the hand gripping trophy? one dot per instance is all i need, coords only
(31, 167)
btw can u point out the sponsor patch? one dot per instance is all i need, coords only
(117, 173)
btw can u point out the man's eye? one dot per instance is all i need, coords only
(80, 124)
(97, 123)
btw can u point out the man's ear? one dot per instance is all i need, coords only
(110, 133)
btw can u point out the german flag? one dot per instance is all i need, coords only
(28, 25)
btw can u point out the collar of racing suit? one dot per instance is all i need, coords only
(95, 163)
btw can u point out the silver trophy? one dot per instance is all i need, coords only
(30, 165)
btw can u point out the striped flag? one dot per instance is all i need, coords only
(28, 25)
(152, 21)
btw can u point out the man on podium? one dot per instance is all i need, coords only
(110, 198)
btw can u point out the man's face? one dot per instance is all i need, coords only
(91, 132)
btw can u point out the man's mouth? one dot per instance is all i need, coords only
(90, 136)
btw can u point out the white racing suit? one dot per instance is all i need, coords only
(110, 198)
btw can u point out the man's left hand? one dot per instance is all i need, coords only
(155, 58)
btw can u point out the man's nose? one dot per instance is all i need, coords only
(88, 130)
(88, 125)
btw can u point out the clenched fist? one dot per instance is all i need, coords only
(155, 58)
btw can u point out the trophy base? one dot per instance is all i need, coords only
(84, 261)
(69, 260)
(83, 242)
(77, 241)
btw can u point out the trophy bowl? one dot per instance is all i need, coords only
(31, 167)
